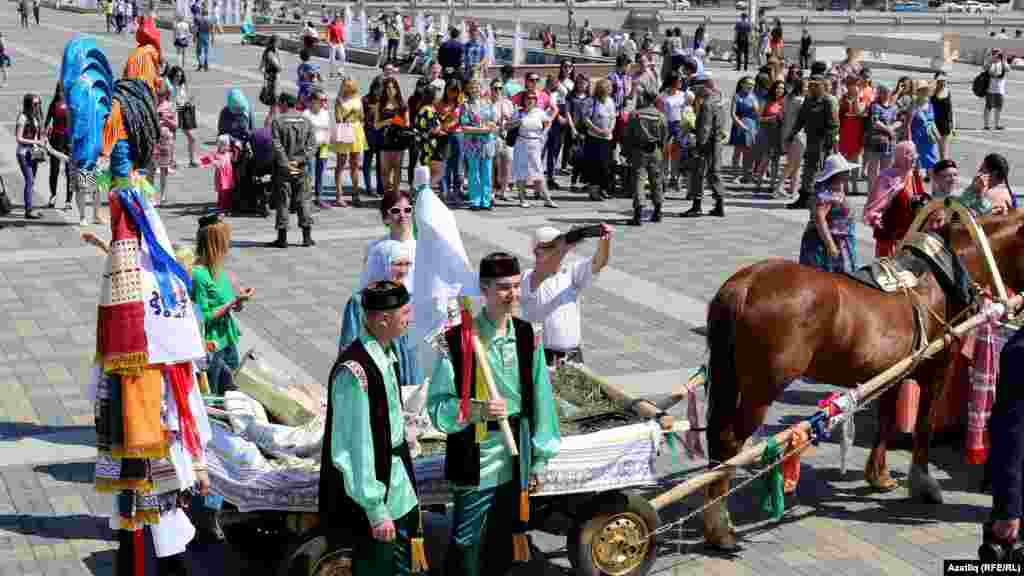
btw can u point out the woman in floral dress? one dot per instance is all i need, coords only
(167, 114)
(829, 243)
(432, 138)
(478, 123)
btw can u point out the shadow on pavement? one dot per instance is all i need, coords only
(73, 527)
(80, 472)
(15, 430)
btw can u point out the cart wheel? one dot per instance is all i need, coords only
(615, 539)
(310, 557)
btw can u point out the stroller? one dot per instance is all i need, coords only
(252, 194)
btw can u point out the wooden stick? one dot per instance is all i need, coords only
(485, 368)
(642, 407)
(869, 389)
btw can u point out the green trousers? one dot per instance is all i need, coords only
(371, 557)
(482, 529)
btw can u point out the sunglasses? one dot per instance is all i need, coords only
(532, 79)
(497, 86)
(395, 211)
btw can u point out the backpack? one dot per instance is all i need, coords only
(980, 84)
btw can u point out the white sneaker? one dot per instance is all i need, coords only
(83, 222)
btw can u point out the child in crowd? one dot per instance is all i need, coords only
(309, 77)
(223, 170)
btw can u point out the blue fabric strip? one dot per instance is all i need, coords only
(164, 264)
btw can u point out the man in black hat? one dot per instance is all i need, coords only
(817, 118)
(706, 152)
(294, 145)
(490, 485)
(367, 497)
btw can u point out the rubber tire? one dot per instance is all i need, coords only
(580, 552)
(300, 554)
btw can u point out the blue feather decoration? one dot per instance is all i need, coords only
(88, 85)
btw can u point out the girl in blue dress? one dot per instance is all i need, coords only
(923, 131)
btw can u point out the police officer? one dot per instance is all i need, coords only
(707, 147)
(294, 146)
(645, 139)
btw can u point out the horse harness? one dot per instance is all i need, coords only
(920, 254)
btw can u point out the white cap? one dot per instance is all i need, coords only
(421, 177)
(545, 234)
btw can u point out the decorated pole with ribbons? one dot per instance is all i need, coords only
(841, 407)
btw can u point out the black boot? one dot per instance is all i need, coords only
(719, 209)
(307, 237)
(636, 216)
(173, 566)
(694, 211)
(282, 239)
(656, 217)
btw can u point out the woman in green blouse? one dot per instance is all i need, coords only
(216, 300)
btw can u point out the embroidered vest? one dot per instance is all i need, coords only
(340, 515)
(462, 454)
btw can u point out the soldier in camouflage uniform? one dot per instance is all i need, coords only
(294, 146)
(643, 142)
(707, 145)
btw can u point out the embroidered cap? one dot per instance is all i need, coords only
(210, 219)
(385, 295)
(545, 235)
(498, 265)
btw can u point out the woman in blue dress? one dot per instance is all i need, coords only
(923, 131)
(387, 260)
(745, 110)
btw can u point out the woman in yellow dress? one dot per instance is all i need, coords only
(349, 138)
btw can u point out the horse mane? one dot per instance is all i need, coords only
(1004, 232)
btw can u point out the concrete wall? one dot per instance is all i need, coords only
(974, 48)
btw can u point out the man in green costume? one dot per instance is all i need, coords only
(489, 484)
(367, 486)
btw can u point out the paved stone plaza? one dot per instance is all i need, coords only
(643, 321)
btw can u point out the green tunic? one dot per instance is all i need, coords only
(209, 294)
(496, 466)
(352, 440)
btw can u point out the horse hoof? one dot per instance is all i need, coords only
(923, 487)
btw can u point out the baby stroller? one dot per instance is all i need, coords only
(256, 182)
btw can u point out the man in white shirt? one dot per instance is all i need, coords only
(551, 291)
(998, 69)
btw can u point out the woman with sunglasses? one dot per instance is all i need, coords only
(527, 165)
(29, 135)
(478, 124)
(392, 112)
(396, 211)
(447, 111)
(578, 104)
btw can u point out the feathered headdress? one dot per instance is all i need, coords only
(88, 88)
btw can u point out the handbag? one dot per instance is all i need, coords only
(344, 133)
(38, 154)
(267, 95)
(394, 137)
(188, 117)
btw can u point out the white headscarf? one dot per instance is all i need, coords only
(382, 257)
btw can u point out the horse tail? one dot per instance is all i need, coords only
(723, 394)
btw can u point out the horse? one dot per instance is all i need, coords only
(775, 321)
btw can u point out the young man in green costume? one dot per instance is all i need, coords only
(367, 486)
(490, 485)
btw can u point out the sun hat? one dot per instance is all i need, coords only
(834, 164)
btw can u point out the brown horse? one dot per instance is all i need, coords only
(776, 321)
